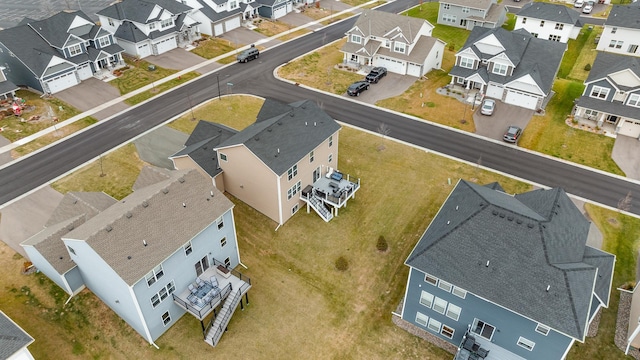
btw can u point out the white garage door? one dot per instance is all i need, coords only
(521, 99)
(62, 82)
(280, 12)
(630, 128)
(495, 91)
(393, 65)
(144, 50)
(232, 24)
(414, 70)
(166, 45)
(84, 71)
(218, 29)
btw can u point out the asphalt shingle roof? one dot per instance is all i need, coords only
(608, 63)
(476, 4)
(30, 48)
(550, 12)
(128, 31)
(140, 10)
(381, 23)
(12, 337)
(283, 139)
(627, 16)
(531, 242)
(55, 28)
(7, 87)
(201, 144)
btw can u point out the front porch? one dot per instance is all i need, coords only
(327, 194)
(598, 122)
(474, 347)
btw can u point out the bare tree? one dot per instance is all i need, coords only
(625, 203)
(383, 130)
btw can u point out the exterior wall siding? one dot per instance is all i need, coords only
(74, 279)
(45, 267)
(549, 28)
(17, 72)
(627, 36)
(509, 325)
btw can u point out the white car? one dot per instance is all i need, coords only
(578, 3)
(587, 8)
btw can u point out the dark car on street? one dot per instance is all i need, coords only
(248, 54)
(376, 74)
(512, 135)
(357, 87)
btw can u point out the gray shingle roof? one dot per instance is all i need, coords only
(531, 242)
(80, 203)
(140, 10)
(550, 12)
(217, 16)
(381, 23)
(282, 140)
(476, 4)
(150, 175)
(627, 16)
(128, 31)
(202, 142)
(608, 63)
(156, 215)
(12, 337)
(609, 107)
(30, 48)
(7, 87)
(55, 28)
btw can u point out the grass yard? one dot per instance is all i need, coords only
(270, 28)
(510, 23)
(236, 111)
(139, 75)
(160, 88)
(549, 134)
(453, 36)
(210, 48)
(421, 100)
(52, 137)
(579, 52)
(318, 70)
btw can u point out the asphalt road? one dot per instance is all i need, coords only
(256, 78)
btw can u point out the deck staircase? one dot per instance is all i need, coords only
(224, 316)
(319, 207)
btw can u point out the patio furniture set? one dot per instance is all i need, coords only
(203, 291)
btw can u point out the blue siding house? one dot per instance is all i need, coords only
(499, 276)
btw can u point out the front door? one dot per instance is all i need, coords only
(202, 265)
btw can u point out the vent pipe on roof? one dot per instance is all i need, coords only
(314, 123)
(456, 207)
(487, 264)
(548, 287)
(448, 222)
(305, 123)
(278, 150)
(184, 205)
(211, 193)
(144, 242)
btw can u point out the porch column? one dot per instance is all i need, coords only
(468, 86)
(453, 80)
(600, 120)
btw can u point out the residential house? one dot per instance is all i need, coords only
(621, 34)
(611, 98)
(402, 44)
(468, 14)
(274, 9)
(13, 340)
(218, 17)
(514, 67)
(58, 52)
(150, 27)
(549, 21)
(167, 249)
(500, 276)
(7, 88)
(284, 160)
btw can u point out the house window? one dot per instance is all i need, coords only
(292, 172)
(613, 30)
(426, 299)
(616, 44)
(227, 262)
(293, 190)
(632, 49)
(154, 275)
(71, 250)
(542, 329)
(166, 23)
(483, 329)
(166, 318)
(431, 279)
(220, 222)
(535, 35)
(331, 141)
(111, 22)
(311, 157)
(75, 49)
(466, 62)
(445, 286)
(354, 58)
(330, 157)
(453, 312)
(591, 114)
(465, 10)
(399, 47)
(459, 292)
(449, 18)
(439, 305)
(526, 343)
(356, 39)
(559, 26)
(187, 249)
(447, 331)
(554, 38)
(202, 265)
(445, 6)
(422, 319)
(104, 41)
(155, 300)
(152, 26)
(294, 209)
(171, 287)
(634, 100)
(233, 5)
(223, 241)
(599, 92)
(541, 23)
(223, 157)
(163, 293)
(524, 20)
(500, 69)
(434, 325)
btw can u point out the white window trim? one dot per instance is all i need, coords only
(433, 321)
(526, 343)
(223, 157)
(475, 324)
(419, 317)
(466, 62)
(500, 66)
(461, 293)
(153, 274)
(189, 247)
(427, 296)
(541, 329)
(75, 50)
(104, 41)
(635, 98)
(599, 90)
(438, 304)
(445, 286)
(356, 39)
(429, 276)
(165, 323)
(292, 172)
(453, 312)
(453, 331)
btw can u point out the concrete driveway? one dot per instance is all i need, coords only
(389, 86)
(177, 59)
(504, 115)
(156, 146)
(626, 153)
(88, 94)
(242, 36)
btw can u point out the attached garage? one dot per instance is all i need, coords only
(144, 50)
(232, 24)
(84, 71)
(414, 69)
(280, 11)
(218, 29)
(521, 99)
(393, 65)
(630, 128)
(495, 91)
(62, 82)
(166, 45)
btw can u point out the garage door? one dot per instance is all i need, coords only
(144, 50)
(522, 99)
(495, 91)
(166, 45)
(280, 12)
(232, 24)
(84, 71)
(392, 65)
(218, 29)
(630, 128)
(62, 82)
(414, 70)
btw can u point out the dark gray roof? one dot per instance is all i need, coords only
(608, 63)
(54, 29)
(140, 10)
(156, 215)
(532, 241)
(201, 143)
(627, 16)
(550, 12)
(7, 87)
(30, 48)
(381, 24)
(112, 49)
(609, 107)
(532, 56)
(282, 140)
(12, 337)
(217, 16)
(128, 31)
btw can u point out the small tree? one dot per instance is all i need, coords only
(382, 244)
(383, 130)
(342, 264)
(587, 67)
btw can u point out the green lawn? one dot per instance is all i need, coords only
(584, 43)
(453, 36)
(138, 75)
(210, 48)
(157, 89)
(510, 24)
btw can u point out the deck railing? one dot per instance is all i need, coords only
(202, 311)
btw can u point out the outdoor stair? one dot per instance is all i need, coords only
(224, 316)
(319, 208)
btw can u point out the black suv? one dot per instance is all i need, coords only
(249, 54)
(376, 74)
(357, 87)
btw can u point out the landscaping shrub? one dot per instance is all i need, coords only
(382, 245)
(342, 264)
(587, 67)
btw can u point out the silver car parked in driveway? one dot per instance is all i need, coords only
(488, 106)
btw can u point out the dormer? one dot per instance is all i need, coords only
(468, 59)
(490, 45)
(233, 4)
(400, 47)
(74, 47)
(500, 65)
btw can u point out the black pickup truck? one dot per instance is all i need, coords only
(376, 74)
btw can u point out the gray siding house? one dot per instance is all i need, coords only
(499, 276)
(468, 14)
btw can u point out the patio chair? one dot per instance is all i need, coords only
(199, 282)
(214, 281)
(482, 353)
(192, 289)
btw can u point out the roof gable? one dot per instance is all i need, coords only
(142, 11)
(12, 337)
(383, 24)
(608, 63)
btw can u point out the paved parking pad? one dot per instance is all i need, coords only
(89, 94)
(389, 86)
(504, 115)
(177, 59)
